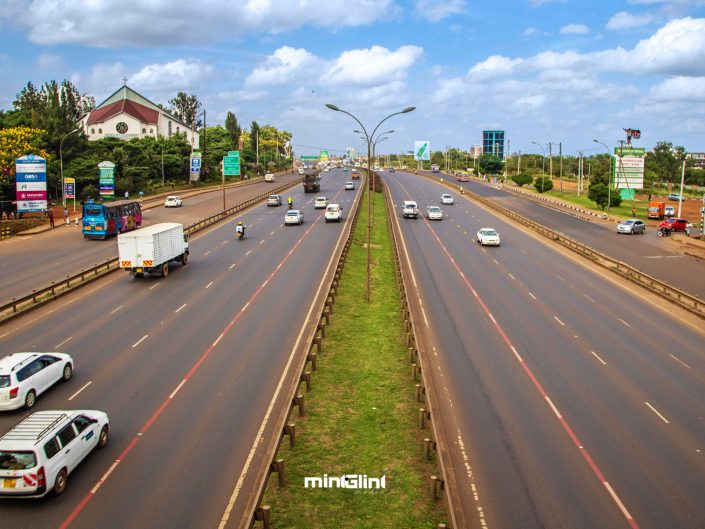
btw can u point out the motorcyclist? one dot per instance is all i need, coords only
(290, 202)
(240, 230)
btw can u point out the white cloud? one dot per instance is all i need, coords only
(371, 66)
(241, 95)
(50, 61)
(624, 20)
(689, 89)
(282, 67)
(186, 74)
(575, 29)
(104, 23)
(529, 32)
(436, 10)
(494, 66)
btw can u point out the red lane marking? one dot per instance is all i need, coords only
(537, 384)
(77, 510)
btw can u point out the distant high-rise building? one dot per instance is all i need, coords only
(493, 143)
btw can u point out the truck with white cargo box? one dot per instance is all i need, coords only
(151, 249)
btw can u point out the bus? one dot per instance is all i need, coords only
(435, 168)
(110, 218)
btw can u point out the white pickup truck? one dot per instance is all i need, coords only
(151, 249)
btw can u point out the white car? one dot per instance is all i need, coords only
(487, 237)
(38, 454)
(269, 177)
(25, 376)
(434, 213)
(293, 216)
(410, 209)
(274, 200)
(446, 198)
(349, 186)
(334, 213)
(302, 170)
(320, 202)
(172, 202)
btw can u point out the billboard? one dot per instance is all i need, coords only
(31, 183)
(422, 151)
(195, 172)
(106, 179)
(628, 169)
(324, 155)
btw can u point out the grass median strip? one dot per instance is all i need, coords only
(361, 412)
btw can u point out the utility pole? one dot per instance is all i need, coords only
(580, 171)
(560, 173)
(519, 164)
(550, 160)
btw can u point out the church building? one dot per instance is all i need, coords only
(126, 115)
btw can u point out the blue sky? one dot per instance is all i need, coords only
(542, 70)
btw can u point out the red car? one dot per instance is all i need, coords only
(674, 224)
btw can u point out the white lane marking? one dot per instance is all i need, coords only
(224, 242)
(589, 298)
(154, 286)
(140, 341)
(423, 313)
(598, 357)
(250, 251)
(243, 309)
(516, 353)
(181, 307)
(657, 413)
(62, 343)
(555, 410)
(272, 233)
(177, 389)
(624, 510)
(559, 321)
(530, 294)
(265, 283)
(624, 322)
(492, 318)
(105, 476)
(231, 266)
(561, 278)
(117, 309)
(679, 360)
(262, 241)
(514, 278)
(218, 339)
(206, 253)
(209, 284)
(81, 389)
(495, 261)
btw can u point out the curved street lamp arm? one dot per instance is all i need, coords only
(385, 119)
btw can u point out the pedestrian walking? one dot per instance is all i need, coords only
(633, 211)
(51, 217)
(67, 220)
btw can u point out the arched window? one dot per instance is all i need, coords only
(92, 131)
(151, 131)
(169, 129)
(177, 130)
(144, 131)
(100, 131)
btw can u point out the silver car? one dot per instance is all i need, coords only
(293, 216)
(631, 226)
(487, 237)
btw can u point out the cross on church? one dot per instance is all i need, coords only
(124, 81)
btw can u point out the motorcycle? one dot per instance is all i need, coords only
(664, 232)
(240, 232)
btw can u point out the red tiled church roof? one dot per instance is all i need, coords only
(131, 108)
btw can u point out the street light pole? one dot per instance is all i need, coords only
(368, 138)
(609, 175)
(61, 167)
(543, 163)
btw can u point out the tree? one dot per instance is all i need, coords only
(599, 193)
(490, 164)
(522, 179)
(234, 130)
(543, 183)
(187, 108)
(254, 135)
(666, 161)
(16, 142)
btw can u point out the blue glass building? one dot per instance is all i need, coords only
(493, 143)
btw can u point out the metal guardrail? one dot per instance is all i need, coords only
(254, 510)
(684, 300)
(59, 288)
(425, 390)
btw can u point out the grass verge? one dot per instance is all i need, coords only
(361, 411)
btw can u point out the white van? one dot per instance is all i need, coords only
(25, 376)
(269, 177)
(38, 454)
(334, 213)
(410, 209)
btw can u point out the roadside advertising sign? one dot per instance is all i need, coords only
(106, 179)
(231, 164)
(422, 151)
(31, 183)
(628, 167)
(70, 187)
(195, 172)
(324, 155)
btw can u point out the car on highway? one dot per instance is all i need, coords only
(410, 209)
(447, 199)
(631, 226)
(172, 201)
(334, 213)
(676, 196)
(320, 202)
(38, 453)
(434, 213)
(674, 224)
(274, 200)
(488, 237)
(349, 186)
(669, 211)
(269, 177)
(25, 376)
(294, 216)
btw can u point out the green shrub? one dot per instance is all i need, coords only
(543, 184)
(522, 179)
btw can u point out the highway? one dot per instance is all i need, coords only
(32, 262)
(569, 401)
(649, 253)
(186, 368)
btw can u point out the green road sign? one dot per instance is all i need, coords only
(309, 158)
(231, 164)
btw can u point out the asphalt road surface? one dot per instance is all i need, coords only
(649, 253)
(32, 262)
(569, 401)
(185, 366)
